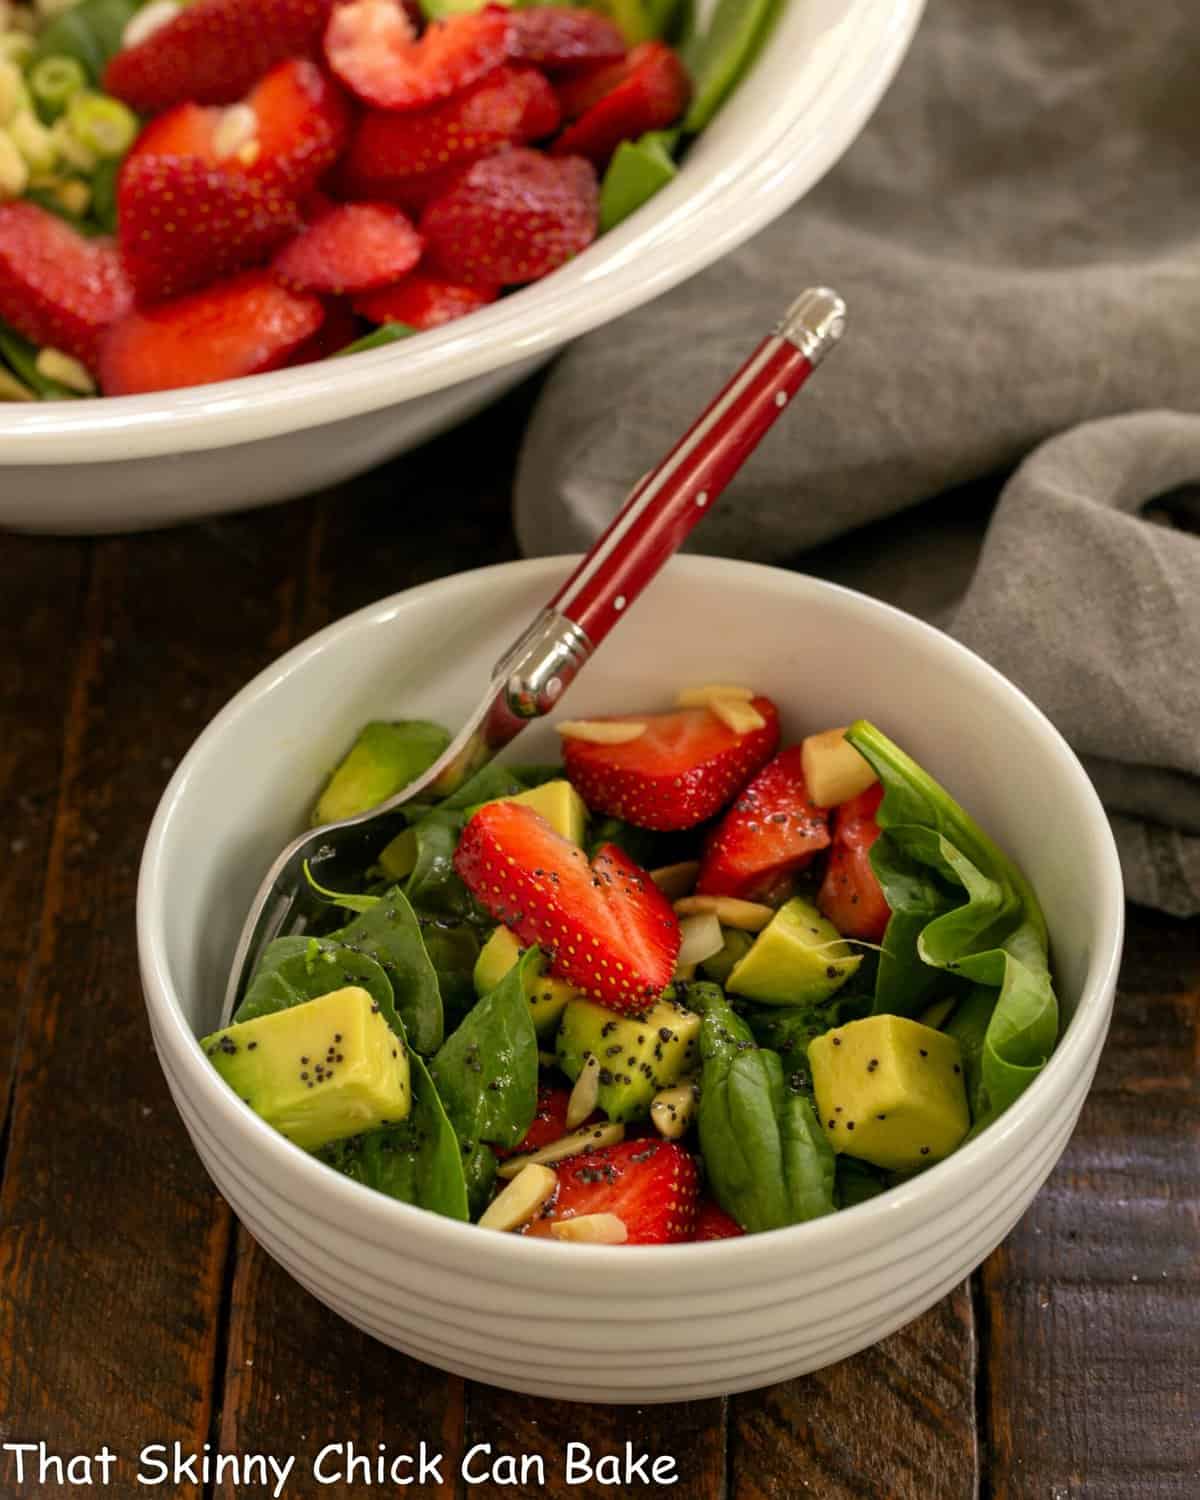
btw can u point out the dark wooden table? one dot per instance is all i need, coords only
(133, 1311)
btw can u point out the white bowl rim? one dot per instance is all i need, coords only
(530, 324)
(900, 1206)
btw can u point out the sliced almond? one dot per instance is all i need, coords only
(521, 1199)
(700, 938)
(676, 880)
(585, 1093)
(237, 127)
(53, 364)
(713, 692)
(735, 714)
(746, 916)
(602, 731)
(673, 1110)
(591, 1229)
(591, 1139)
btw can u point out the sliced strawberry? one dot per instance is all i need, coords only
(339, 328)
(549, 1120)
(605, 927)
(680, 771)
(582, 87)
(423, 302)
(189, 215)
(850, 894)
(57, 288)
(238, 327)
(184, 225)
(560, 36)
(373, 48)
(214, 50)
(508, 107)
(355, 247)
(772, 830)
(653, 95)
(713, 1223)
(510, 219)
(649, 1185)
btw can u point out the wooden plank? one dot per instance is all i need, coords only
(299, 1380)
(113, 1244)
(39, 626)
(692, 1433)
(1093, 1369)
(895, 1421)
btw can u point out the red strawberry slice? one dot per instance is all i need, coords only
(214, 50)
(680, 771)
(238, 327)
(373, 48)
(582, 87)
(355, 247)
(560, 36)
(549, 1121)
(189, 215)
(184, 225)
(604, 926)
(653, 95)
(508, 107)
(772, 830)
(57, 288)
(510, 219)
(850, 894)
(423, 302)
(649, 1185)
(713, 1223)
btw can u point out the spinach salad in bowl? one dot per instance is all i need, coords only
(684, 986)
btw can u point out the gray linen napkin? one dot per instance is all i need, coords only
(1018, 238)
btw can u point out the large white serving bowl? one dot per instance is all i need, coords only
(652, 1323)
(140, 461)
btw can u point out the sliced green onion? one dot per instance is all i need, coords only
(100, 124)
(56, 80)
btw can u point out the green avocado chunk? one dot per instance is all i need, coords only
(890, 1091)
(797, 957)
(637, 171)
(561, 806)
(547, 996)
(637, 1057)
(319, 1072)
(383, 759)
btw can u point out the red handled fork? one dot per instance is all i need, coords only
(533, 674)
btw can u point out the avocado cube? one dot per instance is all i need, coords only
(398, 858)
(797, 957)
(637, 1056)
(890, 1091)
(319, 1072)
(561, 806)
(382, 761)
(547, 996)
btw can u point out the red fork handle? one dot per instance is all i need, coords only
(672, 498)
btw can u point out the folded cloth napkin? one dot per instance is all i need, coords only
(1017, 238)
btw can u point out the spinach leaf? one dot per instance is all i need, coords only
(486, 1073)
(857, 1181)
(350, 900)
(644, 846)
(968, 1025)
(479, 1172)
(453, 948)
(788, 1031)
(90, 32)
(305, 976)
(916, 896)
(766, 1156)
(718, 54)
(485, 786)
(433, 886)
(389, 933)
(417, 1161)
(993, 933)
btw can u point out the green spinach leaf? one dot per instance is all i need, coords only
(486, 1073)
(453, 948)
(433, 886)
(389, 933)
(992, 933)
(90, 32)
(417, 1161)
(766, 1156)
(303, 976)
(857, 1181)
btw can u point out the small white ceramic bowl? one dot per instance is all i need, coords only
(140, 461)
(637, 1324)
